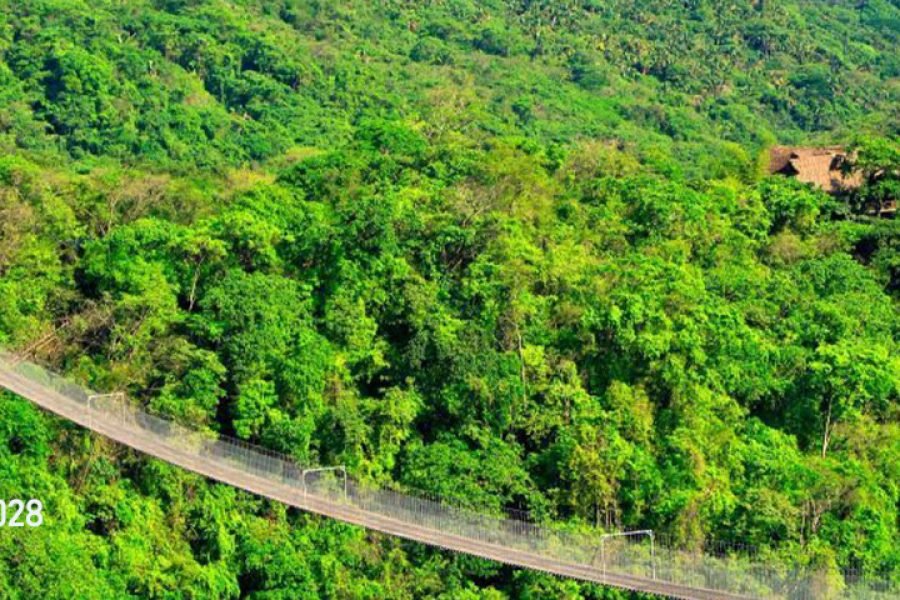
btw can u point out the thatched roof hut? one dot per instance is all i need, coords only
(821, 167)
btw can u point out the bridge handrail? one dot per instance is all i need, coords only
(733, 576)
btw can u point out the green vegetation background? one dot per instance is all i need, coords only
(518, 253)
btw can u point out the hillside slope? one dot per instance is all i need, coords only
(517, 254)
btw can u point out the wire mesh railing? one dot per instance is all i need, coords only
(599, 555)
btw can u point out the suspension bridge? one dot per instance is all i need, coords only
(591, 556)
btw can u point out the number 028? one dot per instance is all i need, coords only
(21, 513)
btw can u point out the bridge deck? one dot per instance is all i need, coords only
(219, 470)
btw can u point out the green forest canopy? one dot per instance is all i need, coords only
(520, 254)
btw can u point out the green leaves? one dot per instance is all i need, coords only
(513, 253)
(253, 318)
(255, 398)
(791, 204)
(877, 163)
(23, 431)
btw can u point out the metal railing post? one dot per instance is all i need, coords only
(603, 555)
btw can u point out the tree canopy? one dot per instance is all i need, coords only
(518, 254)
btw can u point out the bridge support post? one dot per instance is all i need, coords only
(606, 536)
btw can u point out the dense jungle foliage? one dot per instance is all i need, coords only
(522, 254)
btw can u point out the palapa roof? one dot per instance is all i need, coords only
(818, 166)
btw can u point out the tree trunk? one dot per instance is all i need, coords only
(827, 431)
